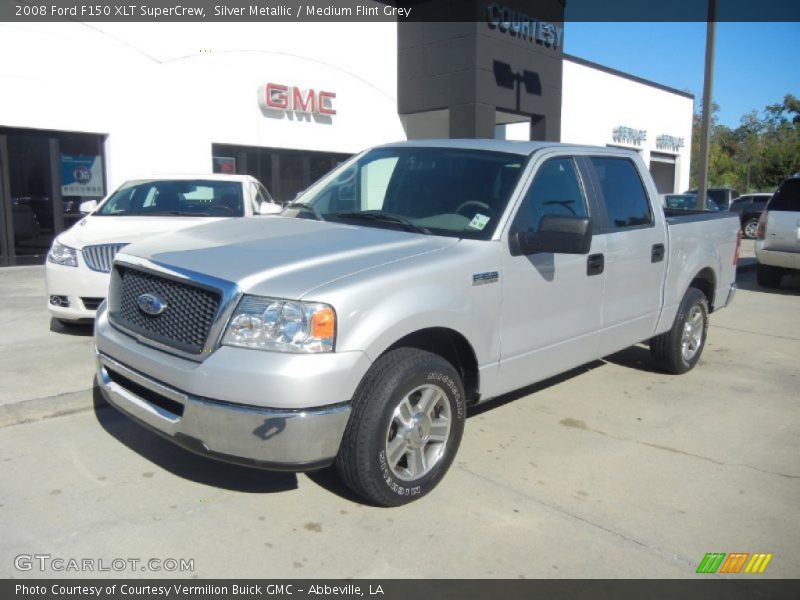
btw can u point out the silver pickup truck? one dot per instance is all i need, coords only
(413, 281)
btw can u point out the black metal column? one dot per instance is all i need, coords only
(6, 222)
(55, 185)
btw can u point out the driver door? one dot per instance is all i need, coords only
(552, 303)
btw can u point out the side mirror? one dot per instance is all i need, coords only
(269, 208)
(557, 234)
(87, 207)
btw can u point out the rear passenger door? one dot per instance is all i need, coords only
(635, 252)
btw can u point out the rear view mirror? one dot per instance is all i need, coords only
(269, 208)
(87, 207)
(557, 234)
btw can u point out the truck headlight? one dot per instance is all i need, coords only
(281, 325)
(63, 255)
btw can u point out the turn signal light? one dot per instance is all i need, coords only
(738, 247)
(323, 323)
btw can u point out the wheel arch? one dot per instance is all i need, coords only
(452, 346)
(706, 281)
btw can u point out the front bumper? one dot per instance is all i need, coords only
(273, 410)
(79, 285)
(274, 439)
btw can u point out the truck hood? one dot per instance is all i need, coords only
(124, 230)
(281, 256)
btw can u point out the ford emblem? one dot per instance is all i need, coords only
(151, 304)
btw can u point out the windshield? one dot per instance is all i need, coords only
(787, 198)
(442, 191)
(185, 198)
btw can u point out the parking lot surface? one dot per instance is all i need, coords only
(612, 470)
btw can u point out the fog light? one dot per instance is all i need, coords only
(62, 301)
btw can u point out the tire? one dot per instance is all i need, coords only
(393, 451)
(678, 350)
(768, 277)
(750, 227)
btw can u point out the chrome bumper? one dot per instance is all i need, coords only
(275, 439)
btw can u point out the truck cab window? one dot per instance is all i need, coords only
(556, 190)
(625, 197)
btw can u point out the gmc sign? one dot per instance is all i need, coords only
(276, 96)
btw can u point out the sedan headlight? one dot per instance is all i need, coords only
(63, 255)
(281, 325)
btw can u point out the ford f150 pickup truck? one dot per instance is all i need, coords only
(413, 281)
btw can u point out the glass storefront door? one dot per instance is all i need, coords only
(44, 176)
(30, 187)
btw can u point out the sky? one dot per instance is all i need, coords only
(756, 64)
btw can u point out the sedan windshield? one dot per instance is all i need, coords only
(442, 191)
(179, 198)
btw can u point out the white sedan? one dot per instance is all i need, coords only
(79, 262)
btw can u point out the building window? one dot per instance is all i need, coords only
(284, 173)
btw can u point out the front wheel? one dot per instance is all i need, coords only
(404, 429)
(679, 349)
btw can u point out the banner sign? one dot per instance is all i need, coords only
(82, 175)
(224, 164)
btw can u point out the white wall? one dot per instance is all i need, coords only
(594, 102)
(164, 92)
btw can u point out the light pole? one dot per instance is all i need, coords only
(705, 125)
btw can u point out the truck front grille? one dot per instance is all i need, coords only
(184, 324)
(101, 257)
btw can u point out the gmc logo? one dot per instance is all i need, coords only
(276, 96)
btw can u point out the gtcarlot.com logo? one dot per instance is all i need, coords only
(48, 562)
(733, 563)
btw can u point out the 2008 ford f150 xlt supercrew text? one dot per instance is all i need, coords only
(413, 281)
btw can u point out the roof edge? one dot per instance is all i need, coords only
(642, 80)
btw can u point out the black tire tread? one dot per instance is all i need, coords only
(665, 348)
(353, 456)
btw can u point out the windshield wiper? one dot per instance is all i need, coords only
(302, 207)
(387, 217)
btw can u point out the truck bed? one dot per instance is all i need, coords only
(698, 239)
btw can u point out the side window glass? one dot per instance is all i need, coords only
(262, 195)
(374, 182)
(150, 198)
(624, 194)
(255, 198)
(556, 190)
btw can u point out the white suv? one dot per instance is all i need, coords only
(79, 261)
(778, 243)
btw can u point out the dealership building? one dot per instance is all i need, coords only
(87, 106)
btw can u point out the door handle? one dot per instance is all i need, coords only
(595, 263)
(657, 253)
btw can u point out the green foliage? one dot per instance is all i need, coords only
(757, 155)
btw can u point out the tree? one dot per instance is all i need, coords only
(758, 154)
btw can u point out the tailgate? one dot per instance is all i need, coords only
(782, 231)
